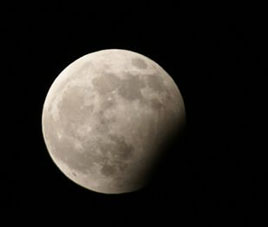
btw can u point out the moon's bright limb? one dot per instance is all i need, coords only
(106, 116)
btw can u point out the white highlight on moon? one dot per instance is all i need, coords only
(106, 119)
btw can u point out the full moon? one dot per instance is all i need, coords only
(106, 118)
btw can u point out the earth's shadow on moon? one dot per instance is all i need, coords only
(167, 168)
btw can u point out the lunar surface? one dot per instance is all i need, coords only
(106, 119)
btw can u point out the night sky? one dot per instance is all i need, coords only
(215, 53)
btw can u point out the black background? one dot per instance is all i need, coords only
(216, 55)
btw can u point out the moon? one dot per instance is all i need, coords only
(106, 118)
